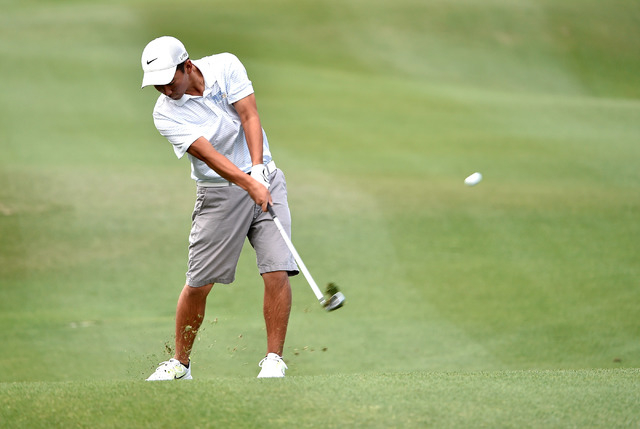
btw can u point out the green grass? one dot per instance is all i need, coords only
(510, 304)
(594, 398)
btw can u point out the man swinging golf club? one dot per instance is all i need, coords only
(207, 109)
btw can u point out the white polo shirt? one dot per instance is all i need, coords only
(211, 116)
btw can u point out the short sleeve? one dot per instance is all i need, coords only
(236, 80)
(181, 136)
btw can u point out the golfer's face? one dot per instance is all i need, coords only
(176, 88)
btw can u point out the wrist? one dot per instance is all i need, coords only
(260, 174)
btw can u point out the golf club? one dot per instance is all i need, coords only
(336, 299)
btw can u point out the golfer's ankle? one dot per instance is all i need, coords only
(182, 360)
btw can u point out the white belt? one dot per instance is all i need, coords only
(271, 167)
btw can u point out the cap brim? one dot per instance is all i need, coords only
(158, 77)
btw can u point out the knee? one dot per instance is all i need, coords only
(191, 292)
(276, 279)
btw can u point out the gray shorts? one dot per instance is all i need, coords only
(222, 218)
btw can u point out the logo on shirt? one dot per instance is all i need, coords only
(219, 97)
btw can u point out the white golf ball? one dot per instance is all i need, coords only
(473, 179)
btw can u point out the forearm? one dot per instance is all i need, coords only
(248, 111)
(253, 134)
(203, 150)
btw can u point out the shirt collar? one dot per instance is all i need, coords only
(182, 100)
(207, 73)
(209, 80)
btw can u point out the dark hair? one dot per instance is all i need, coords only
(181, 65)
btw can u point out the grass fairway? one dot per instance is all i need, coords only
(513, 303)
(592, 398)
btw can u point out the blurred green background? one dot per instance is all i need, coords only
(376, 111)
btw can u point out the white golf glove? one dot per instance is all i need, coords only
(259, 172)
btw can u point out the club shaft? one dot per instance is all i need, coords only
(301, 265)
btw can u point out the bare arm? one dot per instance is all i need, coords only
(203, 150)
(248, 111)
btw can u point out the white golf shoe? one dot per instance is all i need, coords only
(171, 370)
(272, 366)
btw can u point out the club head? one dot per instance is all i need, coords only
(335, 302)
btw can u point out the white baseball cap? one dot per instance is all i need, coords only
(160, 58)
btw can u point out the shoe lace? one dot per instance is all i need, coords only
(276, 360)
(171, 364)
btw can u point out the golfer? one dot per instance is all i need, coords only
(207, 109)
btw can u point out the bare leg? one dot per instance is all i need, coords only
(189, 316)
(277, 307)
